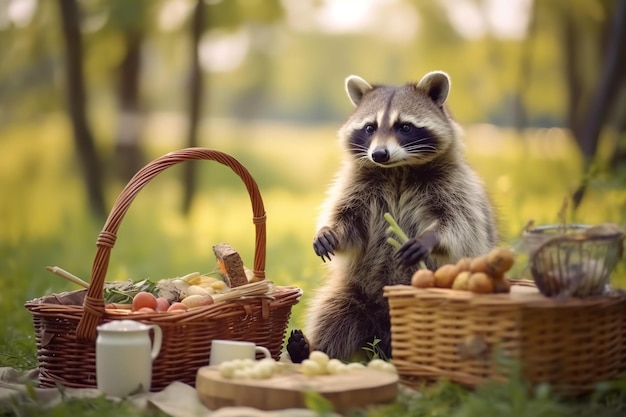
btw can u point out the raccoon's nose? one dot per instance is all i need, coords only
(380, 155)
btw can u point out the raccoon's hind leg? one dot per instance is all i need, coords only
(341, 326)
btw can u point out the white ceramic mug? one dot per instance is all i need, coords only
(228, 350)
(124, 355)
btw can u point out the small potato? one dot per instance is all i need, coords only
(218, 285)
(445, 275)
(480, 283)
(207, 281)
(423, 278)
(145, 310)
(197, 300)
(464, 264)
(480, 264)
(193, 279)
(196, 290)
(177, 308)
(461, 282)
(144, 299)
(500, 260)
(501, 285)
(162, 304)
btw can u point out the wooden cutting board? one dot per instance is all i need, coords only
(356, 388)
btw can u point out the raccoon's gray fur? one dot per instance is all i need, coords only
(403, 156)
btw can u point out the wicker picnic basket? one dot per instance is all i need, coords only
(66, 324)
(570, 343)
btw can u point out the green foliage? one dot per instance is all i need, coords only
(234, 13)
(440, 399)
(18, 349)
(437, 400)
(373, 351)
(512, 398)
(124, 292)
(90, 407)
(316, 402)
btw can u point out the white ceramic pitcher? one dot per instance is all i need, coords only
(124, 356)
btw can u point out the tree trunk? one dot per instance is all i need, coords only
(128, 154)
(618, 159)
(611, 80)
(520, 114)
(573, 79)
(195, 103)
(76, 101)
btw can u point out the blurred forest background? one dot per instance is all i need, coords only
(91, 90)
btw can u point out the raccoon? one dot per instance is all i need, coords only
(403, 155)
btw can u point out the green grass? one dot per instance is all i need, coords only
(44, 221)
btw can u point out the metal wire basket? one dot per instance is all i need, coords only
(573, 260)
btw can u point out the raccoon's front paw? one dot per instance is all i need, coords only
(416, 249)
(298, 347)
(325, 243)
(411, 253)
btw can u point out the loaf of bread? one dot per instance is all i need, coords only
(230, 264)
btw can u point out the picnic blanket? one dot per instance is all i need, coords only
(177, 399)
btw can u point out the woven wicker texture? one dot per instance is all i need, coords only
(66, 331)
(570, 343)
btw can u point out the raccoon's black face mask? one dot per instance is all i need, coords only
(394, 126)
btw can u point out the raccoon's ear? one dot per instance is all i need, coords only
(437, 85)
(356, 87)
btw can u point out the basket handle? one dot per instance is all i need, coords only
(93, 306)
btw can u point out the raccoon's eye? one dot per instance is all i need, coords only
(370, 129)
(405, 128)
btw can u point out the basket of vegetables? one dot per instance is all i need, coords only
(470, 322)
(191, 310)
